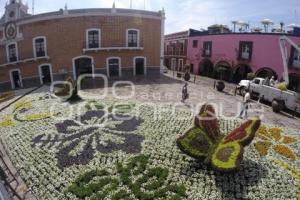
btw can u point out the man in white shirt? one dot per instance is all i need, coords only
(272, 81)
(244, 111)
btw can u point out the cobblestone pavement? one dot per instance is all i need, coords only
(167, 89)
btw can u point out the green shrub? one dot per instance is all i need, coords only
(250, 76)
(282, 86)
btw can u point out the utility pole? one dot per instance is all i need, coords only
(130, 4)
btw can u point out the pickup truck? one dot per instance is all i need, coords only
(279, 99)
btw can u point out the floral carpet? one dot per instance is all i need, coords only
(105, 149)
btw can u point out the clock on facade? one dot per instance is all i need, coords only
(10, 30)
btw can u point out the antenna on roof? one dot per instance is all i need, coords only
(32, 7)
(144, 4)
(130, 4)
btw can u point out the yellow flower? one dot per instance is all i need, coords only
(34, 117)
(273, 138)
(7, 121)
(284, 151)
(23, 104)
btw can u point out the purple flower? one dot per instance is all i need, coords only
(78, 140)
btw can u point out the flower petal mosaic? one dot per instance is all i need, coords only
(108, 149)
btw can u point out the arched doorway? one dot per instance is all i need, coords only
(206, 68)
(113, 65)
(83, 65)
(45, 72)
(15, 78)
(266, 72)
(294, 83)
(223, 71)
(139, 65)
(240, 72)
(167, 63)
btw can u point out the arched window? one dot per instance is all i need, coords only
(40, 47)
(93, 38)
(133, 38)
(12, 52)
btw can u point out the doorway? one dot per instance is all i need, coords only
(16, 79)
(83, 65)
(140, 66)
(113, 67)
(45, 74)
(241, 72)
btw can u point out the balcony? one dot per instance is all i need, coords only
(245, 56)
(13, 59)
(115, 46)
(112, 49)
(175, 53)
(24, 61)
(206, 53)
(40, 54)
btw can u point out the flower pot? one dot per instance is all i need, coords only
(187, 76)
(220, 86)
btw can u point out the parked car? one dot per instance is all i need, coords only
(243, 85)
(279, 99)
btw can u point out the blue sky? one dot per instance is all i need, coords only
(184, 14)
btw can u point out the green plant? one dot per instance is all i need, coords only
(250, 76)
(142, 182)
(65, 90)
(187, 67)
(282, 86)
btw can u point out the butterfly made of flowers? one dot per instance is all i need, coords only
(222, 152)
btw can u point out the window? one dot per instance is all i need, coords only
(256, 81)
(192, 68)
(296, 59)
(40, 47)
(180, 64)
(173, 64)
(12, 52)
(93, 38)
(245, 52)
(181, 48)
(195, 43)
(172, 50)
(132, 38)
(207, 47)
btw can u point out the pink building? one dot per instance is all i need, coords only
(241, 53)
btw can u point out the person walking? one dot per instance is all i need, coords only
(185, 94)
(245, 105)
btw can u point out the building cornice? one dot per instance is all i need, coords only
(87, 12)
(262, 34)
